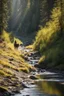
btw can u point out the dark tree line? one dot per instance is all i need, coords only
(4, 14)
(62, 15)
(27, 17)
(30, 18)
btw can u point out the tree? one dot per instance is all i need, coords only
(62, 15)
(4, 14)
(45, 10)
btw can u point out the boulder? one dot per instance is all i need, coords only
(36, 65)
(2, 89)
(33, 77)
(11, 59)
(24, 85)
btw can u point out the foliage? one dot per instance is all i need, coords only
(62, 18)
(4, 14)
(49, 40)
(52, 27)
(10, 39)
(11, 60)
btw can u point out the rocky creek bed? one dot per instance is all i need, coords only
(39, 82)
(43, 82)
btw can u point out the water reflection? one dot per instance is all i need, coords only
(48, 84)
(32, 92)
(51, 87)
(44, 88)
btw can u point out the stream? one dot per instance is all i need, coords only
(48, 84)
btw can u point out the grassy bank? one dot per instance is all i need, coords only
(13, 68)
(49, 42)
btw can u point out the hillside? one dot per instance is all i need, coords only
(49, 41)
(13, 68)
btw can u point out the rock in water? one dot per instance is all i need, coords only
(24, 86)
(33, 77)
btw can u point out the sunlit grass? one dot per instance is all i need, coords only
(52, 27)
(3, 73)
(8, 52)
(6, 64)
(42, 59)
(29, 47)
(49, 41)
(5, 36)
(9, 39)
(24, 69)
(9, 71)
(4, 88)
(18, 41)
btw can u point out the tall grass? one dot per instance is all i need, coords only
(10, 39)
(49, 41)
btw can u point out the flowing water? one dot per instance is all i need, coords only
(48, 84)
